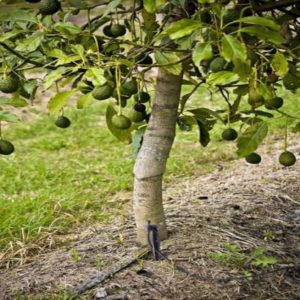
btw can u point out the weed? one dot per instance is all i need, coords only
(235, 257)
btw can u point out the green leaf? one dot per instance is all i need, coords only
(243, 69)
(265, 91)
(202, 51)
(232, 49)
(181, 28)
(10, 14)
(187, 42)
(8, 116)
(137, 140)
(166, 58)
(264, 261)
(264, 34)
(80, 4)
(251, 138)
(186, 123)
(280, 64)
(68, 59)
(296, 128)
(96, 76)
(110, 7)
(152, 5)
(204, 137)
(260, 21)
(78, 49)
(120, 134)
(10, 34)
(57, 53)
(67, 28)
(150, 25)
(222, 77)
(84, 100)
(204, 114)
(51, 77)
(31, 43)
(29, 88)
(258, 113)
(15, 102)
(206, 1)
(126, 62)
(60, 100)
(183, 101)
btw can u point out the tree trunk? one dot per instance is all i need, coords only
(152, 158)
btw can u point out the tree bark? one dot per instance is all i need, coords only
(152, 158)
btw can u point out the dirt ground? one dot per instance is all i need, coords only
(248, 205)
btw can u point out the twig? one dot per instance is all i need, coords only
(122, 264)
(246, 239)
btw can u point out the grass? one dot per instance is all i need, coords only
(58, 179)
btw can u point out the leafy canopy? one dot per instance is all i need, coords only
(242, 50)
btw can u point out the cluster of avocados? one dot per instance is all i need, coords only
(9, 83)
(127, 89)
(286, 158)
(129, 86)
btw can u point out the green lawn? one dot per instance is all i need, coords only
(61, 178)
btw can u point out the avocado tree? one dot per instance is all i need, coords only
(242, 50)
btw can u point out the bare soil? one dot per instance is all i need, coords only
(248, 205)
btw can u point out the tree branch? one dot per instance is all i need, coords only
(275, 5)
(26, 60)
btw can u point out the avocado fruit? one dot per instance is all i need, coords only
(253, 158)
(217, 64)
(10, 84)
(62, 122)
(49, 7)
(102, 92)
(6, 147)
(229, 134)
(274, 103)
(287, 158)
(136, 116)
(142, 97)
(121, 122)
